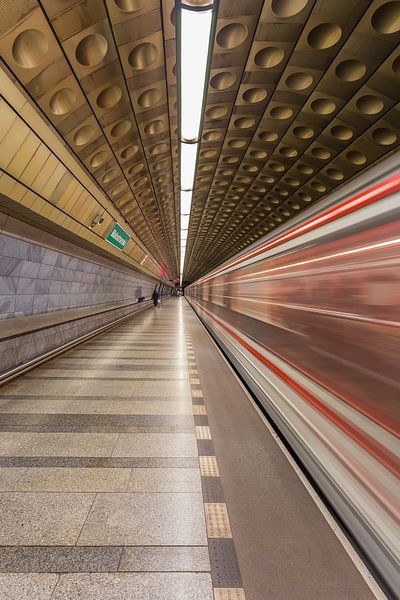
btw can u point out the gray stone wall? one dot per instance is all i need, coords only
(42, 274)
(35, 279)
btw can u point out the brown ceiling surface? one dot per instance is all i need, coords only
(302, 96)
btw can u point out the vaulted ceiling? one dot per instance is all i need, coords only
(302, 96)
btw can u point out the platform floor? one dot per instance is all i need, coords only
(135, 467)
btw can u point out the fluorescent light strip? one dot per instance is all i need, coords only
(188, 165)
(195, 37)
(195, 30)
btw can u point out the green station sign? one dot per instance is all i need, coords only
(118, 237)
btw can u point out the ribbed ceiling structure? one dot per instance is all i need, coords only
(303, 94)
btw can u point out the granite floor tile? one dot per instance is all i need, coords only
(42, 518)
(164, 480)
(135, 586)
(161, 407)
(64, 479)
(144, 519)
(68, 406)
(24, 586)
(59, 559)
(110, 373)
(156, 444)
(34, 405)
(165, 558)
(9, 477)
(68, 444)
(10, 443)
(80, 387)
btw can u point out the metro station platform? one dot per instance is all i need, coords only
(136, 466)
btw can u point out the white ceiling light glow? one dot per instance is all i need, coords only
(195, 29)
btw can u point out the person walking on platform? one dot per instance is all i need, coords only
(155, 297)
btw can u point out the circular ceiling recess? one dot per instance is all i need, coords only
(268, 136)
(318, 187)
(62, 102)
(320, 153)
(109, 97)
(237, 143)
(98, 159)
(211, 136)
(223, 81)
(149, 98)
(357, 158)
(278, 167)
(281, 113)
(370, 105)
(269, 57)
(292, 182)
(303, 133)
(231, 36)
(129, 151)
(324, 36)
(341, 133)
(259, 154)
(91, 50)
(254, 95)
(118, 189)
(386, 19)
(159, 149)
(299, 81)
(121, 128)
(322, 106)
(384, 136)
(154, 127)
(84, 135)
(30, 48)
(230, 160)
(244, 122)
(288, 152)
(335, 174)
(305, 169)
(217, 112)
(129, 6)
(305, 197)
(143, 56)
(250, 169)
(350, 70)
(135, 169)
(109, 176)
(287, 8)
(208, 153)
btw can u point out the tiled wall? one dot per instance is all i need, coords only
(40, 273)
(20, 349)
(35, 279)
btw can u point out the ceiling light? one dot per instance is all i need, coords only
(195, 34)
(188, 165)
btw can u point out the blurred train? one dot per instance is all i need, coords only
(310, 316)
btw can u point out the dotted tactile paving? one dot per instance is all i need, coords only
(203, 432)
(229, 594)
(212, 490)
(225, 570)
(194, 381)
(199, 409)
(208, 466)
(197, 394)
(193, 372)
(217, 520)
(198, 401)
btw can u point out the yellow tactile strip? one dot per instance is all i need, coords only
(203, 432)
(216, 513)
(217, 520)
(208, 466)
(229, 594)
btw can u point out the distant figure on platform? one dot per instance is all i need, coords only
(155, 297)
